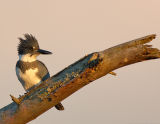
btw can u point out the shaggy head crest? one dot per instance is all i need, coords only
(27, 45)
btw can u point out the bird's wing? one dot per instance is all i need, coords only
(43, 72)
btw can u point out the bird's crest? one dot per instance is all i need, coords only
(27, 43)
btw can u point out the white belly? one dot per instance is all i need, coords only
(29, 78)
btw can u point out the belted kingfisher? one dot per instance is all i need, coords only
(29, 70)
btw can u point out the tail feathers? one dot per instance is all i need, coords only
(59, 106)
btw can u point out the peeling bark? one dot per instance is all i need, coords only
(63, 84)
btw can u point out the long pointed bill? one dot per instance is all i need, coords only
(44, 51)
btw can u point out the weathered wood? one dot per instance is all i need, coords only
(60, 86)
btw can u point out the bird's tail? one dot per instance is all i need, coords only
(59, 106)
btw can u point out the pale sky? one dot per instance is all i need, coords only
(73, 28)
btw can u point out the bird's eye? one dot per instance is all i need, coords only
(31, 48)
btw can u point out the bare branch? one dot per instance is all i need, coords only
(60, 86)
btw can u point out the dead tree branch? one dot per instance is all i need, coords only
(93, 66)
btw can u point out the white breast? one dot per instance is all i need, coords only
(29, 78)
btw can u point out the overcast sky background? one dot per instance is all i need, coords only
(72, 29)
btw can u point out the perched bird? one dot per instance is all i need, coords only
(29, 70)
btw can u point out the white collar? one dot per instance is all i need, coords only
(28, 58)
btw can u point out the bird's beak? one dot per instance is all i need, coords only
(44, 51)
